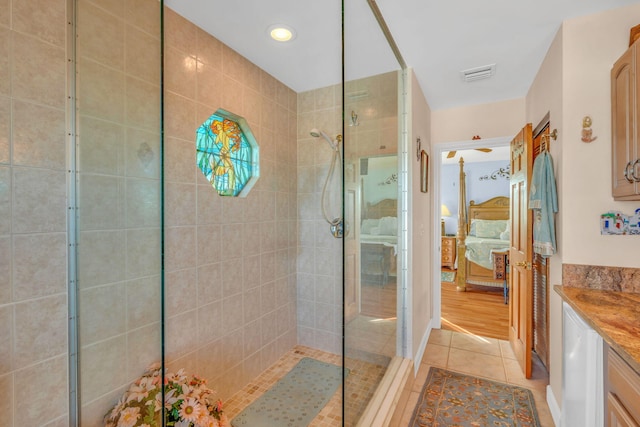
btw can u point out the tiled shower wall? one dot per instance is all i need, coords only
(319, 261)
(230, 262)
(375, 101)
(33, 272)
(119, 203)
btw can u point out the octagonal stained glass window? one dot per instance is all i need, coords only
(227, 154)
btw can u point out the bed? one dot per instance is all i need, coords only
(378, 241)
(483, 229)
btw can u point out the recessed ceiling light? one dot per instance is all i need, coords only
(281, 33)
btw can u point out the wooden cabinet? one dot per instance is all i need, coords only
(622, 393)
(448, 252)
(625, 125)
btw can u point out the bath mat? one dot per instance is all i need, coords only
(295, 399)
(447, 276)
(454, 399)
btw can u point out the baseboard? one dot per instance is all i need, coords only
(421, 349)
(553, 406)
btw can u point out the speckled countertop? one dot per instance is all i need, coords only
(614, 315)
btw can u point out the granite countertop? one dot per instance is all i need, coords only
(614, 315)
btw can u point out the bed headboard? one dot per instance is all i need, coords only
(496, 208)
(385, 207)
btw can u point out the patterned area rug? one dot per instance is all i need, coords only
(295, 399)
(447, 276)
(453, 399)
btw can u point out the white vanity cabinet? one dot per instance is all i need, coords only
(582, 372)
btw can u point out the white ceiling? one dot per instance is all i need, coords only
(438, 39)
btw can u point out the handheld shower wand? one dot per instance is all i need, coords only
(335, 223)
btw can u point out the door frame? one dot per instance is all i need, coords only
(437, 150)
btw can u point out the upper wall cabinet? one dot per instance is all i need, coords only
(625, 125)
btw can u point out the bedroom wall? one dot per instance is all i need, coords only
(477, 190)
(378, 183)
(496, 119)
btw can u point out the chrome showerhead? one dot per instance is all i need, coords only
(316, 133)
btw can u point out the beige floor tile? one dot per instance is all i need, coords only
(436, 355)
(481, 365)
(539, 377)
(440, 337)
(408, 413)
(476, 344)
(507, 352)
(544, 414)
(421, 378)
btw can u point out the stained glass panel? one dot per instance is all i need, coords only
(227, 154)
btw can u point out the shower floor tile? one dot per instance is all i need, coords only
(362, 381)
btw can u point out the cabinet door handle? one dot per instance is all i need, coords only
(634, 168)
(626, 172)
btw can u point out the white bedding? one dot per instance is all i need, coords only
(380, 239)
(479, 249)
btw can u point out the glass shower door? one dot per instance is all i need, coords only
(119, 210)
(372, 277)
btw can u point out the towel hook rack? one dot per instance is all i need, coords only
(544, 140)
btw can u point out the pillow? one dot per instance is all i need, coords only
(505, 235)
(367, 225)
(490, 229)
(389, 226)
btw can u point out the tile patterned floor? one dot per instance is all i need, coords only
(483, 357)
(362, 381)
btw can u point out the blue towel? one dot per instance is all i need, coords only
(543, 199)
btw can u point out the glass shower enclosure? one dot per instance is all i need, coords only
(234, 289)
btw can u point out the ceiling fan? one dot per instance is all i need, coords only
(452, 153)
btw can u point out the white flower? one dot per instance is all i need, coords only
(129, 417)
(190, 410)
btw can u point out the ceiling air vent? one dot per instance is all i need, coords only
(478, 73)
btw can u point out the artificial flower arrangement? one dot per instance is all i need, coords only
(188, 402)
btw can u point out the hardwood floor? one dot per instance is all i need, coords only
(379, 300)
(477, 312)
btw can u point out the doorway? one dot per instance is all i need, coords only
(445, 196)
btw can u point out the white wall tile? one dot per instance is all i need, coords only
(39, 200)
(41, 392)
(39, 265)
(103, 367)
(40, 330)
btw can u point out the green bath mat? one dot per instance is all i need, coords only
(295, 399)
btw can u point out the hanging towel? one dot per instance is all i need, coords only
(543, 199)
